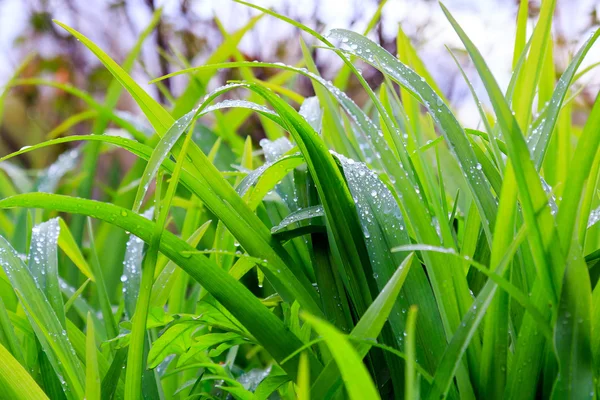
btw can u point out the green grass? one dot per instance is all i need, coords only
(377, 252)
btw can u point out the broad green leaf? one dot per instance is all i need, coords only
(177, 339)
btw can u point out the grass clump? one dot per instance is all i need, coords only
(375, 252)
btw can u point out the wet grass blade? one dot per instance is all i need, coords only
(455, 136)
(368, 327)
(47, 327)
(92, 375)
(15, 382)
(357, 380)
(264, 325)
(573, 335)
(533, 197)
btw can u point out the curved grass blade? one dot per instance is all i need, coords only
(543, 127)
(43, 264)
(301, 215)
(357, 380)
(43, 319)
(368, 327)
(255, 186)
(455, 136)
(113, 93)
(260, 322)
(15, 382)
(533, 197)
(291, 285)
(172, 135)
(158, 117)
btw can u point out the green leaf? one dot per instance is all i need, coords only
(359, 384)
(270, 332)
(45, 323)
(156, 114)
(572, 335)
(368, 327)
(177, 339)
(92, 374)
(455, 136)
(15, 382)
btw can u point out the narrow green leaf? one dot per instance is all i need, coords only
(92, 375)
(357, 380)
(15, 382)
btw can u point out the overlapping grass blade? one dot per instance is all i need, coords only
(359, 384)
(46, 325)
(263, 324)
(453, 132)
(15, 382)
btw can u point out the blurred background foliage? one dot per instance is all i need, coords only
(192, 30)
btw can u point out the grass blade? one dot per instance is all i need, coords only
(15, 382)
(355, 375)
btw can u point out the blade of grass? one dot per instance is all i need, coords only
(15, 382)
(92, 375)
(263, 324)
(359, 384)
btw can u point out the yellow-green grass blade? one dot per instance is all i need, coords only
(158, 117)
(15, 382)
(530, 74)
(533, 197)
(113, 93)
(92, 374)
(520, 37)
